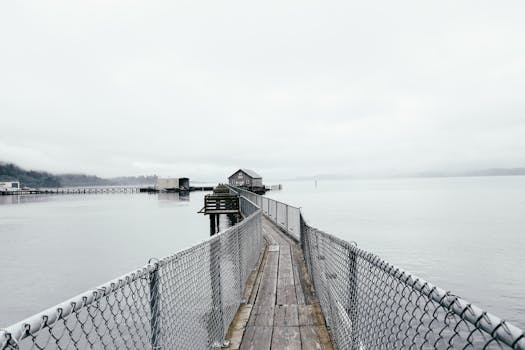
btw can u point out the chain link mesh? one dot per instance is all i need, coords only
(371, 304)
(188, 300)
(282, 214)
(183, 301)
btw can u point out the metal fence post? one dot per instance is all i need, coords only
(154, 307)
(303, 231)
(241, 279)
(287, 219)
(215, 319)
(353, 302)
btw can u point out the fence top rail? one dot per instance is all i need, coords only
(49, 316)
(288, 205)
(252, 203)
(240, 190)
(35, 323)
(502, 330)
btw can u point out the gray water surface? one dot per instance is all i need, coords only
(54, 247)
(466, 235)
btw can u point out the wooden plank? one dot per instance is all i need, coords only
(315, 338)
(299, 293)
(286, 338)
(258, 279)
(268, 288)
(220, 211)
(286, 295)
(309, 315)
(276, 235)
(286, 315)
(285, 285)
(252, 283)
(296, 261)
(256, 338)
(304, 278)
(281, 317)
(262, 315)
(236, 330)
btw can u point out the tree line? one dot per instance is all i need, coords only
(38, 179)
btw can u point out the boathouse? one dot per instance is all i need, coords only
(245, 178)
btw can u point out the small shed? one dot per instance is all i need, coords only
(9, 186)
(173, 184)
(245, 178)
(167, 183)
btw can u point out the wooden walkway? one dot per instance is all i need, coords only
(281, 311)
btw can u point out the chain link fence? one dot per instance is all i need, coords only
(188, 300)
(371, 304)
(285, 216)
(183, 301)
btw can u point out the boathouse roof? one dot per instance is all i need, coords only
(248, 172)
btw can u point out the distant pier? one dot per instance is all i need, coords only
(110, 189)
(153, 189)
(73, 190)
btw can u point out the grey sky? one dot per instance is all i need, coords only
(288, 88)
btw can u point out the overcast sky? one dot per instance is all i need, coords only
(288, 88)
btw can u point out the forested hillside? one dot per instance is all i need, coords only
(28, 178)
(36, 179)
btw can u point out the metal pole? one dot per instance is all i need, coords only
(239, 248)
(215, 321)
(287, 219)
(353, 302)
(154, 307)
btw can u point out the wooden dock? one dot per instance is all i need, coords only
(73, 190)
(281, 311)
(153, 189)
(97, 189)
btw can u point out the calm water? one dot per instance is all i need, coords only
(55, 247)
(466, 235)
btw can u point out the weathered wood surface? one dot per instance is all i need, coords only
(221, 204)
(283, 311)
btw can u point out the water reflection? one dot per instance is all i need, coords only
(26, 198)
(174, 196)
